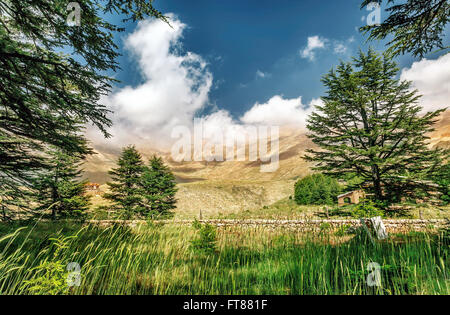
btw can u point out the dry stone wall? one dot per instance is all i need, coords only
(404, 225)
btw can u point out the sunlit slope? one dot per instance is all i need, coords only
(292, 145)
(227, 187)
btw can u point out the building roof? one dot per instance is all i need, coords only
(92, 184)
(348, 193)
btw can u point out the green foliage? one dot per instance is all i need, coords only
(206, 243)
(367, 209)
(126, 185)
(252, 261)
(158, 189)
(344, 229)
(445, 235)
(139, 190)
(13, 198)
(50, 276)
(59, 189)
(369, 125)
(47, 97)
(442, 178)
(352, 181)
(316, 189)
(416, 26)
(324, 228)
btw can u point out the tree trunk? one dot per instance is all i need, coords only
(376, 182)
(54, 199)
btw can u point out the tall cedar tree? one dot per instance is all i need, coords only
(14, 200)
(44, 93)
(370, 126)
(158, 188)
(442, 178)
(417, 26)
(59, 188)
(125, 188)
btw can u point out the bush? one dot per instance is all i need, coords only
(50, 275)
(316, 189)
(344, 229)
(367, 209)
(206, 243)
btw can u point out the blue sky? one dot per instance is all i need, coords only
(253, 49)
(238, 38)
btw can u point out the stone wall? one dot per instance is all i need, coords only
(299, 225)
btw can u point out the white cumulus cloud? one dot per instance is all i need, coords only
(279, 111)
(314, 43)
(175, 86)
(261, 74)
(432, 79)
(340, 48)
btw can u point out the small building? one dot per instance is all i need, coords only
(92, 187)
(351, 197)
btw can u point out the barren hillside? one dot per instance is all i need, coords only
(226, 187)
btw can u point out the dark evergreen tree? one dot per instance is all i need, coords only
(125, 189)
(14, 200)
(370, 126)
(416, 26)
(59, 188)
(442, 178)
(158, 189)
(44, 93)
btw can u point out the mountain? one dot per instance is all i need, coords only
(220, 187)
(292, 145)
(440, 138)
(232, 186)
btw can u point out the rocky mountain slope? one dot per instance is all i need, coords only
(232, 186)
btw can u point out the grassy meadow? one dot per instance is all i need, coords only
(288, 209)
(159, 259)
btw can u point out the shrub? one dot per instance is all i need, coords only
(50, 275)
(316, 189)
(324, 227)
(344, 230)
(207, 242)
(367, 209)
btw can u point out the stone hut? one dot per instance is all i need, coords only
(92, 187)
(351, 197)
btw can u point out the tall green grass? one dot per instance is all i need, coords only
(155, 259)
